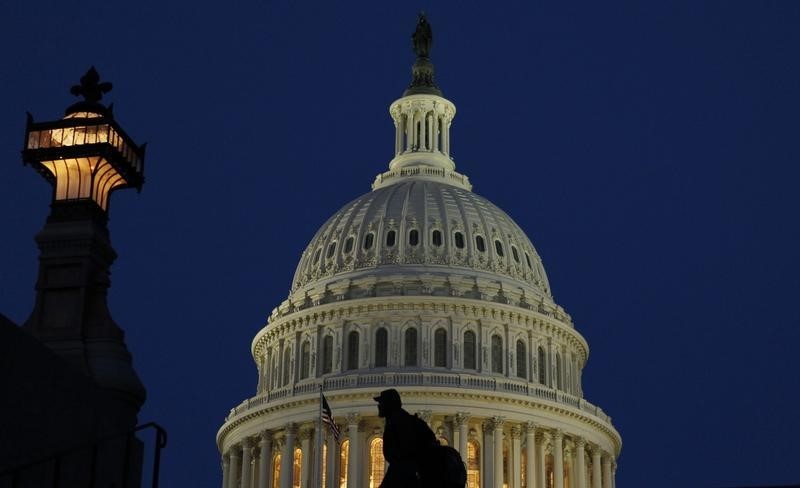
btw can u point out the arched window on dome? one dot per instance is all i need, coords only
(480, 244)
(305, 360)
(352, 350)
(276, 469)
(458, 237)
(369, 240)
(528, 260)
(469, 350)
(316, 255)
(376, 462)
(381, 347)
(348, 245)
(559, 379)
(522, 360)
(440, 348)
(574, 383)
(344, 454)
(413, 237)
(498, 247)
(331, 249)
(497, 354)
(287, 365)
(436, 238)
(542, 366)
(327, 354)
(275, 375)
(297, 466)
(391, 236)
(410, 347)
(515, 253)
(473, 465)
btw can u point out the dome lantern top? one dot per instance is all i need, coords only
(422, 119)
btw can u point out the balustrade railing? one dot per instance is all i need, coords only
(421, 378)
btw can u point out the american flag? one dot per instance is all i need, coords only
(327, 417)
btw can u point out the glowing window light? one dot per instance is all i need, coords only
(297, 466)
(376, 462)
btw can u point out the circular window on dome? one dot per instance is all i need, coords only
(436, 238)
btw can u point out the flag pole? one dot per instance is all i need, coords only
(318, 457)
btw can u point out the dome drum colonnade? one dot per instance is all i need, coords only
(426, 287)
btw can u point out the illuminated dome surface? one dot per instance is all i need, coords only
(416, 226)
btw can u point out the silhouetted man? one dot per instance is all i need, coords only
(406, 441)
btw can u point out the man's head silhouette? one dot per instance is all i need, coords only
(388, 402)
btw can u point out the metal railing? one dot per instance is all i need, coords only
(54, 467)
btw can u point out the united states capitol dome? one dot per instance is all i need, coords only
(419, 225)
(423, 286)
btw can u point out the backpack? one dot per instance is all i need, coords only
(440, 466)
(452, 472)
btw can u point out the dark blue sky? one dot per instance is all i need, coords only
(649, 149)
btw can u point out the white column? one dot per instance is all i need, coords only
(226, 465)
(515, 470)
(423, 129)
(614, 474)
(445, 135)
(596, 467)
(264, 460)
(498, 451)
(308, 460)
(487, 454)
(435, 132)
(354, 456)
(571, 470)
(540, 465)
(414, 130)
(233, 471)
(409, 121)
(607, 471)
(462, 423)
(530, 455)
(287, 456)
(331, 463)
(398, 128)
(247, 467)
(580, 464)
(558, 459)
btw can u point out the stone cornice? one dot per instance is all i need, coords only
(458, 396)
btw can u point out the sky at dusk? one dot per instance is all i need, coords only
(650, 150)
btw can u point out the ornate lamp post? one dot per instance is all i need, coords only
(85, 156)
